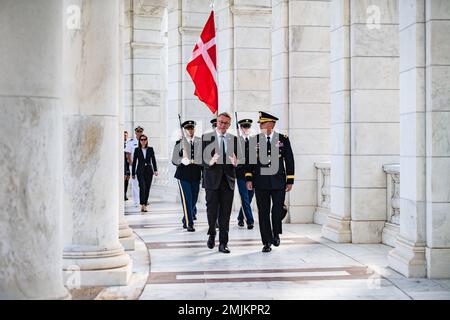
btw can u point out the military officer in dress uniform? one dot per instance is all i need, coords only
(271, 174)
(187, 156)
(246, 195)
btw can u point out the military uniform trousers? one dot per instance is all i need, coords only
(264, 199)
(246, 201)
(189, 195)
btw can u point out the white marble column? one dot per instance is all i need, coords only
(366, 130)
(423, 246)
(309, 99)
(280, 63)
(31, 147)
(126, 237)
(146, 84)
(337, 227)
(409, 255)
(91, 148)
(437, 138)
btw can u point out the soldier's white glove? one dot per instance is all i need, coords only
(185, 161)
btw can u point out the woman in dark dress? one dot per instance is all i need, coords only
(144, 166)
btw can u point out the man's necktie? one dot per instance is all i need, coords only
(223, 150)
(269, 149)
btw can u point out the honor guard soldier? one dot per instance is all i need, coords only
(271, 174)
(187, 156)
(246, 195)
(214, 123)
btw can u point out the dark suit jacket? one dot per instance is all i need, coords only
(144, 165)
(212, 175)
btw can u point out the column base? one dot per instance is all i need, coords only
(301, 214)
(408, 259)
(438, 263)
(367, 232)
(337, 229)
(99, 278)
(85, 266)
(390, 234)
(126, 237)
(127, 243)
(321, 216)
(125, 231)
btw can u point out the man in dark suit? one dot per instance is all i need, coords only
(187, 156)
(271, 173)
(219, 176)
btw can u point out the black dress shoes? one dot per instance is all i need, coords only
(223, 248)
(190, 229)
(184, 226)
(250, 227)
(241, 223)
(276, 241)
(211, 242)
(267, 248)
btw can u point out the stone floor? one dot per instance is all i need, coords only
(305, 266)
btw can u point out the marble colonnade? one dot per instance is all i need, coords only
(91, 126)
(31, 162)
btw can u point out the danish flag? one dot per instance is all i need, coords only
(202, 66)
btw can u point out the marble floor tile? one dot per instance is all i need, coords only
(177, 253)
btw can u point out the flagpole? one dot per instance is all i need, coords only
(238, 133)
(183, 142)
(211, 5)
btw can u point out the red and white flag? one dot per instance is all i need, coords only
(202, 67)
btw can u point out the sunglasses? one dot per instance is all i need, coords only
(143, 139)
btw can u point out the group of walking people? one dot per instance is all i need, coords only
(260, 165)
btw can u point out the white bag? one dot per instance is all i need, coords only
(135, 191)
